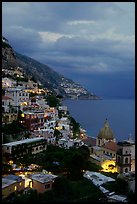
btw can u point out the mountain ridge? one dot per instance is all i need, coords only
(47, 76)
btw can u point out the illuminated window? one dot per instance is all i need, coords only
(15, 188)
(20, 183)
(30, 184)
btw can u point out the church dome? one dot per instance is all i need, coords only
(106, 132)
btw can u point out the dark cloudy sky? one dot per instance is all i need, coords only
(92, 43)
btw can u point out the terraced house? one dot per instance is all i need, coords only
(24, 147)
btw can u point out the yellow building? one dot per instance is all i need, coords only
(12, 184)
(42, 182)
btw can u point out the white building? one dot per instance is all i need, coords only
(67, 143)
(19, 96)
(6, 82)
(6, 103)
(48, 134)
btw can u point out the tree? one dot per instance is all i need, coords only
(6, 168)
(76, 127)
(52, 101)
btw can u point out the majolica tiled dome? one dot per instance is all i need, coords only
(106, 132)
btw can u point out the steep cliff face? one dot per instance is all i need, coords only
(8, 55)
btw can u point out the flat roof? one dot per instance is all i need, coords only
(97, 178)
(118, 197)
(14, 177)
(42, 178)
(7, 182)
(103, 189)
(23, 141)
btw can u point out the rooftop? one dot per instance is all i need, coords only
(106, 132)
(117, 198)
(23, 141)
(97, 178)
(43, 178)
(14, 177)
(124, 143)
(6, 98)
(7, 182)
(111, 146)
(90, 141)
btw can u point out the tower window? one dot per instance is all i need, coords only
(126, 160)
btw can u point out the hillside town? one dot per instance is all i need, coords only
(34, 119)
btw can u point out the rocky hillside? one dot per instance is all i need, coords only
(45, 75)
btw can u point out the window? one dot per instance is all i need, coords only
(99, 142)
(47, 186)
(126, 170)
(7, 148)
(20, 183)
(30, 184)
(118, 159)
(126, 152)
(15, 188)
(2, 102)
(126, 160)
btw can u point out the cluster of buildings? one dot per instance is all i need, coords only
(40, 181)
(41, 120)
(44, 122)
(111, 155)
(73, 90)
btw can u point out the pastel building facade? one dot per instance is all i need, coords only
(42, 182)
(11, 184)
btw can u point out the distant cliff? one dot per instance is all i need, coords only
(45, 75)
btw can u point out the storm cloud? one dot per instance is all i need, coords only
(90, 42)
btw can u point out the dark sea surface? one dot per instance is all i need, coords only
(91, 115)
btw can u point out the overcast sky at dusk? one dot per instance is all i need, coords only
(92, 43)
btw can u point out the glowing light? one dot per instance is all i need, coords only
(22, 115)
(30, 184)
(58, 128)
(109, 166)
(10, 162)
(15, 188)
